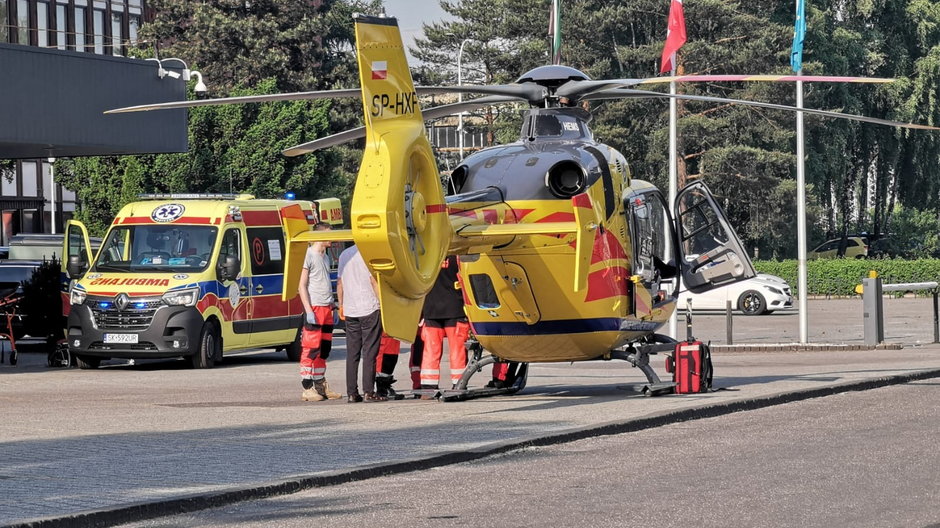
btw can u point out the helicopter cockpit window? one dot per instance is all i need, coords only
(547, 125)
(652, 253)
(701, 231)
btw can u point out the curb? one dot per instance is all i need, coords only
(190, 503)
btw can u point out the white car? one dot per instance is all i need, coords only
(760, 295)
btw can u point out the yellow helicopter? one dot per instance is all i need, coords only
(563, 255)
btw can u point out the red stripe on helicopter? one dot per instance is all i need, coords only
(461, 212)
(607, 247)
(606, 283)
(435, 208)
(582, 200)
(557, 217)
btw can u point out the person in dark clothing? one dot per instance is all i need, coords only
(443, 316)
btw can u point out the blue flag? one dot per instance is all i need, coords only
(799, 33)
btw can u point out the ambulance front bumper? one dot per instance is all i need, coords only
(156, 331)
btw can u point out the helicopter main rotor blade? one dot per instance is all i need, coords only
(621, 93)
(533, 93)
(428, 114)
(293, 96)
(578, 90)
(530, 92)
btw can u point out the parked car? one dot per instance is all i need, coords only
(855, 247)
(39, 246)
(12, 275)
(762, 294)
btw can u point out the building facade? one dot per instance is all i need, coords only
(30, 202)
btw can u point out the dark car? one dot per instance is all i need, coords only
(12, 275)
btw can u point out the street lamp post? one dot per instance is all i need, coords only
(460, 96)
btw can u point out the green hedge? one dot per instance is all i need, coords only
(839, 276)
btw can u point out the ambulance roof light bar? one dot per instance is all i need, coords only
(195, 196)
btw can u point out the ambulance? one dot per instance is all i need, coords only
(187, 275)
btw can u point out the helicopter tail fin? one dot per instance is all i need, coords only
(398, 215)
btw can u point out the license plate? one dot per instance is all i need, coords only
(120, 338)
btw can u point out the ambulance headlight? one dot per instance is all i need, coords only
(77, 296)
(187, 297)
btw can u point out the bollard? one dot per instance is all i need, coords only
(936, 319)
(873, 311)
(728, 323)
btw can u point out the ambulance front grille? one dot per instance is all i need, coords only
(137, 315)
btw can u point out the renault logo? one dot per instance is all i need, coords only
(121, 301)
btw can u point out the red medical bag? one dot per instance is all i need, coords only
(691, 367)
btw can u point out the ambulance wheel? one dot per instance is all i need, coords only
(87, 362)
(293, 349)
(210, 344)
(752, 303)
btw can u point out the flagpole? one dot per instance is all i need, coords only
(673, 178)
(796, 61)
(801, 215)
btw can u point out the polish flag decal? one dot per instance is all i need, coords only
(379, 70)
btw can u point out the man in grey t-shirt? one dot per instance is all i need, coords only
(316, 337)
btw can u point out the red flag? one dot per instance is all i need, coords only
(675, 35)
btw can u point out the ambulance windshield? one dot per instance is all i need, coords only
(155, 247)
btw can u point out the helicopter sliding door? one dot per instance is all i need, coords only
(710, 253)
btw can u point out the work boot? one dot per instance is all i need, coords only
(322, 388)
(382, 385)
(393, 394)
(312, 395)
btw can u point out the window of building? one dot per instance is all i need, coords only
(117, 20)
(4, 22)
(8, 183)
(133, 27)
(22, 21)
(80, 37)
(42, 24)
(29, 176)
(61, 26)
(98, 29)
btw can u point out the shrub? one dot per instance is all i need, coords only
(42, 301)
(840, 276)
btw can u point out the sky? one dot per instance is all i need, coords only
(411, 14)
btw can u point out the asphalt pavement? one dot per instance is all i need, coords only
(129, 442)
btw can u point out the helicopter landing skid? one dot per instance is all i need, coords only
(638, 355)
(460, 392)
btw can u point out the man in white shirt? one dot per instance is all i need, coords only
(359, 303)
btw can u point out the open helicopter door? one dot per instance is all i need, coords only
(710, 253)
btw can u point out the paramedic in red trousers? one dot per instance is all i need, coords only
(359, 305)
(444, 316)
(385, 363)
(316, 337)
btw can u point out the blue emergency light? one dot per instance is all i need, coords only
(290, 195)
(104, 305)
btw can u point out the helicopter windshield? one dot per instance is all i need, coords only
(159, 248)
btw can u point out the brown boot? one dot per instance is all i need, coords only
(311, 395)
(323, 389)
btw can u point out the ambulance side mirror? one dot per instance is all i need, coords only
(76, 267)
(228, 270)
